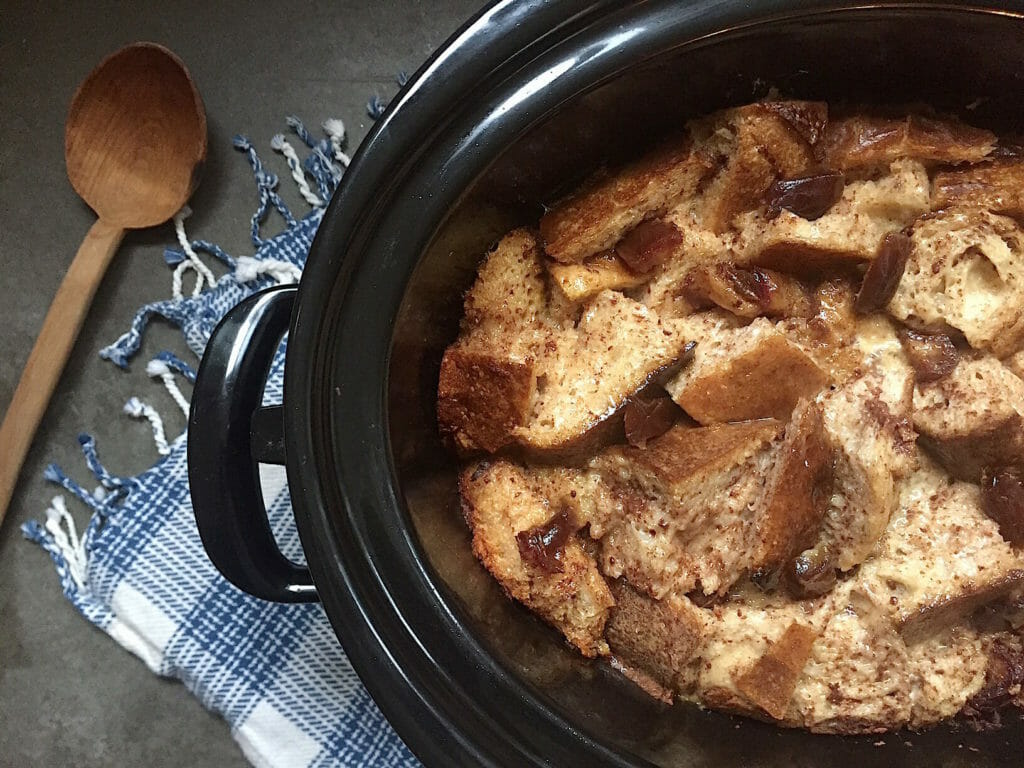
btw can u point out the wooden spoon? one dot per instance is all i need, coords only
(134, 144)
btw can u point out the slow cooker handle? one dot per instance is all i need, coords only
(228, 434)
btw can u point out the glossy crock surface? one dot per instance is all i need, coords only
(518, 105)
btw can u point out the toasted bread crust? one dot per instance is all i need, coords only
(758, 373)
(770, 682)
(481, 399)
(996, 186)
(973, 419)
(658, 637)
(864, 140)
(596, 217)
(796, 490)
(769, 140)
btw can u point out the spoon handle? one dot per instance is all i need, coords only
(60, 329)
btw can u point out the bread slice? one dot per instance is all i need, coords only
(947, 670)
(482, 397)
(771, 681)
(502, 499)
(858, 677)
(864, 141)
(596, 217)
(698, 508)
(586, 373)
(752, 372)
(604, 271)
(966, 271)
(527, 373)
(848, 234)
(653, 641)
(996, 186)
(744, 149)
(973, 419)
(867, 425)
(941, 557)
(681, 513)
(754, 146)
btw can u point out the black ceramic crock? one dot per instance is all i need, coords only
(516, 107)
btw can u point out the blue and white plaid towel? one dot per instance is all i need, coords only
(139, 572)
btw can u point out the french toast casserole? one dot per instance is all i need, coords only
(746, 417)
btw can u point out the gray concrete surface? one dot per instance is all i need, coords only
(68, 695)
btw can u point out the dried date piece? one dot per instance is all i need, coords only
(543, 546)
(809, 197)
(884, 273)
(648, 245)
(1003, 498)
(812, 573)
(748, 291)
(932, 356)
(647, 419)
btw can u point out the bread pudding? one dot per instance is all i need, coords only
(746, 418)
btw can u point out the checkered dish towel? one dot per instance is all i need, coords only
(139, 571)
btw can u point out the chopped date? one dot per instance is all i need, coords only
(543, 546)
(809, 197)
(884, 273)
(754, 285)
(648, 245)
(647, 419)
(1003, 497)
(811, 573)
(932, 356)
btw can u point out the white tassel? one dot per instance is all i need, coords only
(140, 410)
(61, 526)
(280, 144)
(248, 269)
(335, 130)
(192, 261)
(159, 369)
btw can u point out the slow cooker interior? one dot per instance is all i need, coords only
(963, 61)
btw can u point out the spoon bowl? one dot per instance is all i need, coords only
(135, 140)
(134, 144)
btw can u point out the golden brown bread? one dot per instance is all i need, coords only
(752, 372)
(966, 271)
(973, 419)
(864, 140)
(755, 145)
(600, 272)
(501, 500)
(796, 491)
(847, 235)
(682, 514)
(770, 682)
(482, 398)
(526, 372)
(655, 637)
(595, 218)
(996, 186)
(747, 292)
